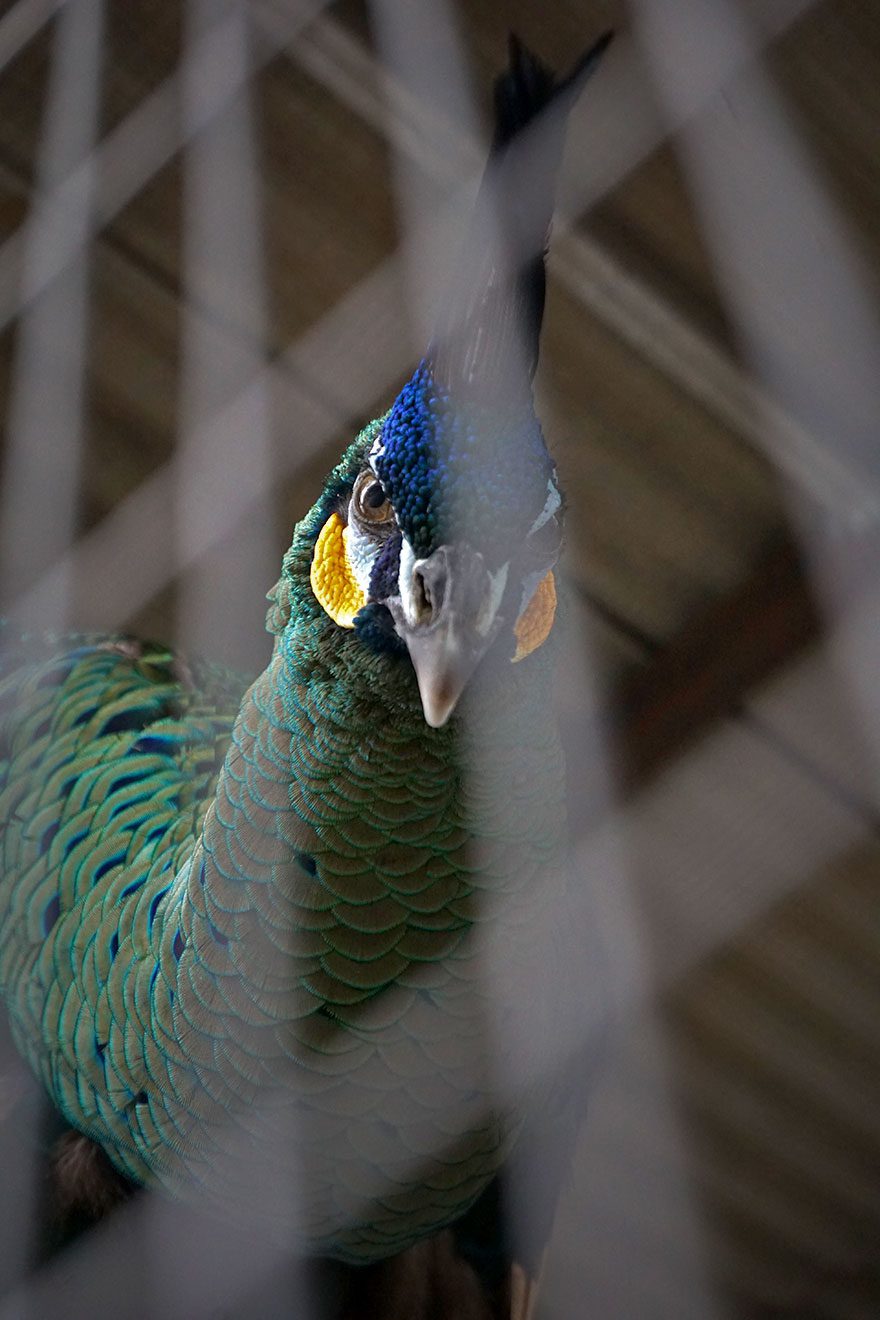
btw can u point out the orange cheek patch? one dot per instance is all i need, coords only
(335, 586)
(534, 624)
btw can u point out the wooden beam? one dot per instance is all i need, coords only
(726, 650)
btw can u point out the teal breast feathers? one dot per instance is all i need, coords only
(319, 941)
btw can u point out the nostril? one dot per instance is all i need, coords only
(430, 585)
(429, 588)
(422, 597)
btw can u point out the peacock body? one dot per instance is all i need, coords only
(267, 945)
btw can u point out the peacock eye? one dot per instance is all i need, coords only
(370, 501)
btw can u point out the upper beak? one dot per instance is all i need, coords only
(443, 661)
(450, 609)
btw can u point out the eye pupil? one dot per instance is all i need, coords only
(370, 500)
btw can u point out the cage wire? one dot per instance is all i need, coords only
(729, 927)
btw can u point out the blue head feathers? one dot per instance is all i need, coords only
(454, 462)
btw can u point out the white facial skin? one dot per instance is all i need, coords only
(363, 551)
(552, 504)
(408, 601)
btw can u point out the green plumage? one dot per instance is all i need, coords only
(287, 967)
(289, 951)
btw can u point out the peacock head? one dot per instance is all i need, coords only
(448, 535)
(442, 542)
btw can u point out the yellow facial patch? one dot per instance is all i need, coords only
(534, 624)
(335, 586)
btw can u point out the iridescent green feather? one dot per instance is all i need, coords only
(180, 950)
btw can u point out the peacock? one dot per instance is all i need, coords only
(302, 949)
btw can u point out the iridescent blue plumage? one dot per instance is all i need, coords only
(452, 459)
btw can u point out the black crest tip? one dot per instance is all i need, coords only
(528, 86)
(588, 62)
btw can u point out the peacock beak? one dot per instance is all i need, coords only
(449, 605)
(443, 665)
